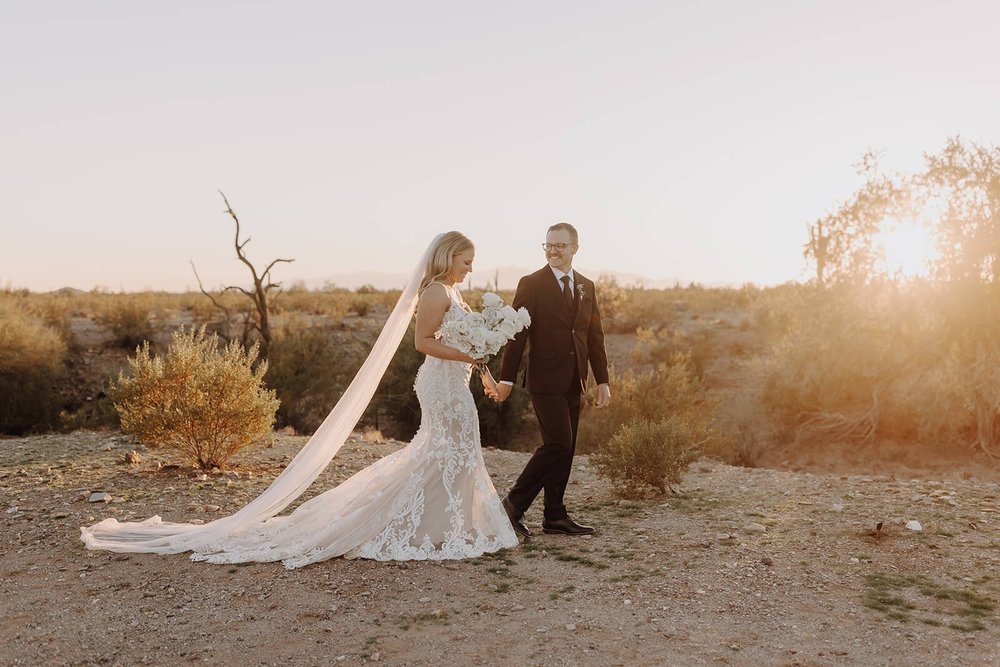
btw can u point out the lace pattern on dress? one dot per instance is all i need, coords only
(466, 518)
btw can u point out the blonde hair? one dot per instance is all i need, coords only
(443, 256)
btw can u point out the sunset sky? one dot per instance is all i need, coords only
(690, 140)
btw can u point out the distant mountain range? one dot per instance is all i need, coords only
(507, 276)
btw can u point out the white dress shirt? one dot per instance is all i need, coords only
(559, 276)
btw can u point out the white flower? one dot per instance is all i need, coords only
(477, 337)
(491, 300)
(509, 327)
(482, 334)
(496, 341)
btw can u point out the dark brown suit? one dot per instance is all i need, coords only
(561, 343)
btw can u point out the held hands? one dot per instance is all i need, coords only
(603, 396)
(503, 392)
(489, 384)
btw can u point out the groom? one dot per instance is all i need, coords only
(565, 334)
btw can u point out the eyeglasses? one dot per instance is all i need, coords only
(558, 247)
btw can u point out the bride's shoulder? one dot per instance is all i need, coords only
(437, 286)
(435, 291)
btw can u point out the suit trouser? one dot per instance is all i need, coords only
(549, 468)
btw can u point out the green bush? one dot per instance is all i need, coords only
(669, 389)
(207, 403)
(32, 365)
(646, 453)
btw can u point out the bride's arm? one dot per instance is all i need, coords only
(433, 304)
(489, 384)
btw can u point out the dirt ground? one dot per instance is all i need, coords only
(745, 567)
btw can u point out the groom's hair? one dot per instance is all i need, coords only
(569, 228)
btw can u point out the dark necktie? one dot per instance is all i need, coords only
(567, 293)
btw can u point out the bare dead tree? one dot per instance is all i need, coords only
(257, 317)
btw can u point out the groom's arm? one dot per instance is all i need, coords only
(598, 354)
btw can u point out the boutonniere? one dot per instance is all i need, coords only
(581, 292)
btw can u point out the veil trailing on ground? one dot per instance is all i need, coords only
(156, 536)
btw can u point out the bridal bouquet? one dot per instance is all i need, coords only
(481, 334)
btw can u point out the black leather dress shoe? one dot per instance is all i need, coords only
(565, 527)
(516, 518)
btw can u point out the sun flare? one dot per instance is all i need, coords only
(907, 249)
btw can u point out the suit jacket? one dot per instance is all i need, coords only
(560, 346)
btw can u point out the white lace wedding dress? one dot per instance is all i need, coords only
(430, 500)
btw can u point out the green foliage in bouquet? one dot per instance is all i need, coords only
(205, 402)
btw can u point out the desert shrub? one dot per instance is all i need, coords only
(361, 306)
(128, 318)
(309, 367)
(820, 365)
(32, 364)
(96, 413)
(700, 299)
(658, 308)
(776, 311)
(611, 297)
(643, 308)
(656, 347)
(669, 389)
(646, 453)
(205, 402)
(741, 416)
(884, 361)
(202, 309)
(331, 302)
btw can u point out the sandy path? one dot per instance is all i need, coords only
(683, 580)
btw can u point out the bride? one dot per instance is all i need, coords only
(430, 500)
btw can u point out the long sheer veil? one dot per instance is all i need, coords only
(156, 536)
